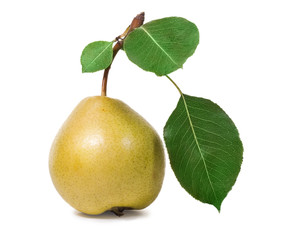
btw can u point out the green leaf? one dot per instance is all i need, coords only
(162, 46)
(204, 148)
(96, 56)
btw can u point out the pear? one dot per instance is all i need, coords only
(106, 157)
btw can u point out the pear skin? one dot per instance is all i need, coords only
(106, 157)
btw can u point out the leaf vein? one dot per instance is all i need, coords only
(213, 133)
(206, 120)
(97, 56)
(198, 146)
(151, 37)
(219, 158)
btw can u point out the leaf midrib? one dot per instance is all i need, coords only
(162, 49)
(109, 44)
(198, 145)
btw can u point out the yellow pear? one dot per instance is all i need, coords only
(106, 157)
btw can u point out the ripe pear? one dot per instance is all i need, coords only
(106, 157)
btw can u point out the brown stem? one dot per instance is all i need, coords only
(137, 22)
(118, 211)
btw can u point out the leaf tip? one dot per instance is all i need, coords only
(218, 207)
(85, 69)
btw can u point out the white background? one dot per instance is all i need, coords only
(248, 61)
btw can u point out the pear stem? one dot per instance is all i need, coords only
(137, 22)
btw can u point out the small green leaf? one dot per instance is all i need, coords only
(204, 148)
(162, 46)
(96, 56)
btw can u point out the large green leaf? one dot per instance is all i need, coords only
(162, 46)
(204, 148)
(96, 56)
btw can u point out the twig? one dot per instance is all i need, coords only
(137, 22)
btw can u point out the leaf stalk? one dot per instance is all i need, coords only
(174, 85)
